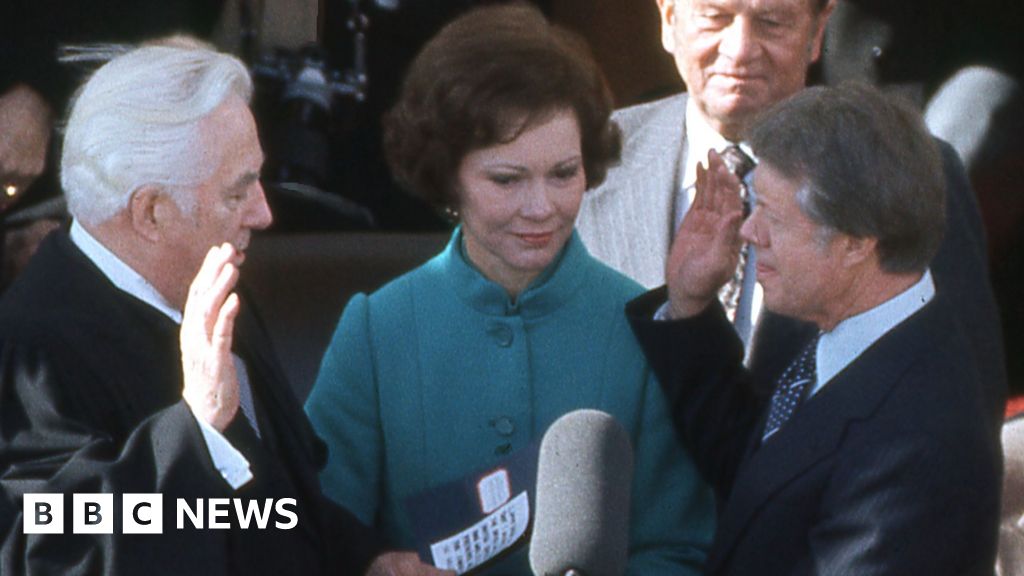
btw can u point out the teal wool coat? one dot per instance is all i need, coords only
(440, 374)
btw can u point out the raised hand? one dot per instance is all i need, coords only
(207, 325)
(706, 247)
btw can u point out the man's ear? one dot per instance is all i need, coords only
(148, 211)
(821, 23)
(667, 9)
(858, 249)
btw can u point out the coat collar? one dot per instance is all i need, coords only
(554, 287)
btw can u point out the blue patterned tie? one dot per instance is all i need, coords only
(792, 388)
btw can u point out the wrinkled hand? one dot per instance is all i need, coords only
(207, 324)
(403, 564)
(25, 120)
(706, 248)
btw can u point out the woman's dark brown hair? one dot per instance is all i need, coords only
(486, 77)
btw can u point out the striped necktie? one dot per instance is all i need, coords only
(740, 164)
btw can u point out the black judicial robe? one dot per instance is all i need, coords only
(90, 401)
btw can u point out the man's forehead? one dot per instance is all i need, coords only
(772, 184)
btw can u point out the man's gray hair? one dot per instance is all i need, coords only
(136, 123)
(868, 165)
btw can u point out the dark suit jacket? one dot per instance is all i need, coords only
(889, 469)
(90, 401)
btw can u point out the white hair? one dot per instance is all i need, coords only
(136, 123)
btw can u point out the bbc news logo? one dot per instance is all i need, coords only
(144, 514)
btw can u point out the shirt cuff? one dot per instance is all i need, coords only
(663, 313)
(231, 464)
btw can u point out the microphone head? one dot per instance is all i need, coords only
(584, 476)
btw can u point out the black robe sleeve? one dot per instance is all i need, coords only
(50, 443)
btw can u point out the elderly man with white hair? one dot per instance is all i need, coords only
(130, 364)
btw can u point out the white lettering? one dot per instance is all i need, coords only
(253, 510)
(218, 508)
(42, 514)
(143, 513)
(195, 517)
(282, 511)
(93, 514)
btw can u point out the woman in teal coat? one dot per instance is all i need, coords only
(447, 370)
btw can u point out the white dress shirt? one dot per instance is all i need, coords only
(851, 337)
(231, 464)
(839, 347)
(700, 139)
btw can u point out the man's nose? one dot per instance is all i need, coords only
(259, 216)
(748, 231)
(739, 40)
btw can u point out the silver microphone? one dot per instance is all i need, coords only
(584, 477)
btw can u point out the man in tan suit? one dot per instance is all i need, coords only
(737, 58)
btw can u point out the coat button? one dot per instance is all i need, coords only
(877, 52)
(502, 334)
(504, 426)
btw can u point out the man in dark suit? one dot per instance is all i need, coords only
(161, 170)
(872, 452)
(737, 59)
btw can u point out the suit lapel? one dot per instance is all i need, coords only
(280, 417)
(287, 441)
(817, 428)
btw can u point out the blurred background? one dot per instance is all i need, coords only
(326, 70)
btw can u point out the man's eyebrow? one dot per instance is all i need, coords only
(244, 181)
(785, 11)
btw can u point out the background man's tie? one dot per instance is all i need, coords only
(740, 164)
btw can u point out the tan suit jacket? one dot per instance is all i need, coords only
(627, 221)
